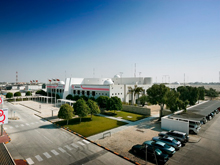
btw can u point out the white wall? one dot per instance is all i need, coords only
(172, 124)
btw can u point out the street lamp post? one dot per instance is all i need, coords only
(146, 153)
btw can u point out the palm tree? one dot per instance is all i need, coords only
(135, 91)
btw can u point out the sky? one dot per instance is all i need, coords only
(165, 39)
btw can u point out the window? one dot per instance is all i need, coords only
(60, 90)
(112, 93)
(93, 93)
(88, 93)
(83, 93)
(115, 93)
(121, 93)
(78, 92)
(74, 92)
(118, 93)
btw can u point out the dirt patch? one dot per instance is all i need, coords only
(123, 141)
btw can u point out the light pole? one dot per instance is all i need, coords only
(146, 153)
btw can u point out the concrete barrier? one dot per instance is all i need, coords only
(136, 109)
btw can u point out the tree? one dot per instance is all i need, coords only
(42, 92)
(9, 95)
(93, 107)
(81, 108)
(66, 112)
(172, 100)
(157, 95)
(69, 97)
(84, 98)
(114, 103)
(28, 93)
(211, 93)
(143, 99)
(102, 101)
(43, 86)
(188, 93)
(76, 97)
(201, 93)
(134, 91)
(182, 104)
(17, 94)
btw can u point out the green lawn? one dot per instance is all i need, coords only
(125, 115)
(90, 127)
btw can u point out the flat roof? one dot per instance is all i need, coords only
(199, 111)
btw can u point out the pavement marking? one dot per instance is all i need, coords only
(39, 158)
(26, 123)
(81, 143)
(30, 161)
(87, 142)
(54, 152)
(5, 128)
(68, 147)
(22, 125)
(47, 155)
(74, 145)
(16, 126)
(10, 127)
(62, 150)
(47, 138)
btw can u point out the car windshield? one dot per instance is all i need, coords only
(158, 152)
(174, 141)
(166, 146)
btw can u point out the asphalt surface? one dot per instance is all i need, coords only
(40, 142)
(206, 151)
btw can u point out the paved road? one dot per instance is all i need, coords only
(207, 150)
(39, 142)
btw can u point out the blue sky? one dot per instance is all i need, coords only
(63, 38)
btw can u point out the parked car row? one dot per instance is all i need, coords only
(161, 147)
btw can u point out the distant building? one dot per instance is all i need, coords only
(95, 87)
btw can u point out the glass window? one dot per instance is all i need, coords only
(88, 93)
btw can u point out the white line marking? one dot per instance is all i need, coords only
(62, 150)
(54, 152)
(10, 127)
(16, 126)
(47, 155)
(74, 145)
(26, 123)
(68, 154)
(86, 141)
(47, 138)
(39, 158)
(68, 147)
(81, 143)
(30, 161)
(22, 125)
(5, 128)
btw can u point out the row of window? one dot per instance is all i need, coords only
(116, 94)
(58, 90)
(88, 93)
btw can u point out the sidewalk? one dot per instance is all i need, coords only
(4, 138)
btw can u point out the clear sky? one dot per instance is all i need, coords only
(43, 39)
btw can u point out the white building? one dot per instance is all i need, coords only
(95, 87)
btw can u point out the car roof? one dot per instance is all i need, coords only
(168, 137)
(160, 143)
(178, 132)
(149, 142)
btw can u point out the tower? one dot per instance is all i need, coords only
(16, 77)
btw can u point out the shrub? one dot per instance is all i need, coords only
(17, 94)
(9, 95)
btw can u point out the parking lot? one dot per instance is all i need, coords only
(205, 145)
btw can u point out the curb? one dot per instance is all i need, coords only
(30, 108)
(24, 162)
(75, 133)
(8, 137)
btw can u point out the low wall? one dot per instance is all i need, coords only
(136, 109)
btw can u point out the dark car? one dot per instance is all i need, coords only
(209, 117)
(216, 111)
(218, 108)
(160, 145)
(140, 150)
(180, 136)
(169, 141)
